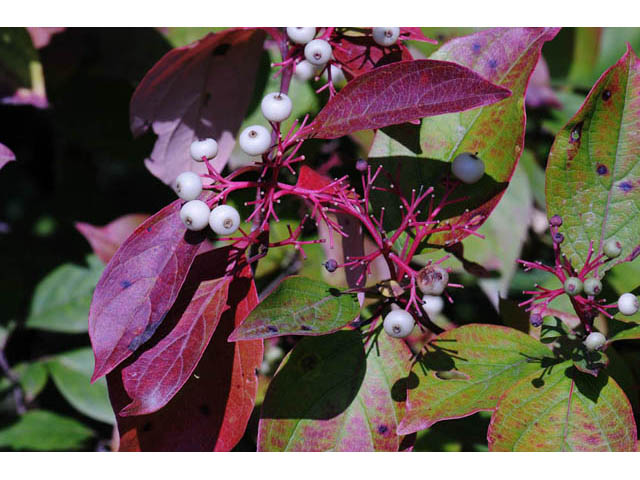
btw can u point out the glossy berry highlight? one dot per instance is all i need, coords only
(195, 215)
(628, 304)
(224, 220)
(200, 149)
(188, 185)
(276, 107)
(255, 140)
(398, 323)
(301, 35)
(317, 52)
(386, 36)
(467, 168)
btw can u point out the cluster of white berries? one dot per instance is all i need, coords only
(317, 53)
(255, 140)
(431, 280)
(196, 214)
(467, 167)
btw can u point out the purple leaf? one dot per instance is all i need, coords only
(540, 93)
(197, 91)
(401, 92)
(6, 155)
(106, 240)
(139, 285)
(211, 410)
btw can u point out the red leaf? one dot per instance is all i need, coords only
(361, 54)
(106, 240)
(139, 285)
(213, 407)
(197, 91)
(6, 155)
(401, 92)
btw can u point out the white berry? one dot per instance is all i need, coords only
(188, 185)
(432, 280)
(398, 323)
(433, 304)
(595, 341)
(467, 168)
(628, 304)
(195, 215)
(255, 140)
(276, 107)
(207, 148)
(224, 220)
(317, 51)
(305, 70)
(337, 75)
(386, 36)
(301, 35)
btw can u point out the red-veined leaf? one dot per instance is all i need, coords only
(211, 410)
(593, 171)
(139, 285)
(331, 394)
(359, 54)
(197, 91)
(422, 156)
(564, 410)
(401, 92)
(107, 239)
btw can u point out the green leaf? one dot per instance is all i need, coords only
(563, 410)
(61, 300)
(487, 359)
(32, 378)
(593, 167)
(20, 67)
(42, 430)
(495, 132)
(586, 46)
(630, 333)
(71, 372)
(299, 306)
(329, 395)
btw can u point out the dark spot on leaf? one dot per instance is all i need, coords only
(146, 335)
(221, 49)
(602, 169)
(382, 429)
(149, 229)
(205, 410)
(576, 133)
(606, 95)
(476, 47)
(493, 63)
(125, 283)
(306, 328)
(272, 328)
(335, 292)
(146, 427)
(625, 186)
(308, 362)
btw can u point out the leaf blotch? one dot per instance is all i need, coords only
(626, 187)
(272, 329)
(382, 429)
(306, 328)
(606, 95)
(493, 63)
(602, 169)
(476, 47)
(138, 340)
(125, 284)
(576, 133)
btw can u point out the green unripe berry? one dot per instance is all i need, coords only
(573, 286)
(612, 248)
(592, 286)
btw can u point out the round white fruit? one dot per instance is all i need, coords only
(317, 52)
(467, 168)
(595, 341)
(224, 220)
(207, 148)
(305, 70)
(386, 36)
(432, 280)
(255, 140)
(188, 185)
(628, 304)
(301, 35)
(276, 107)
(433, 304)
(195, 215)
(398, 323)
